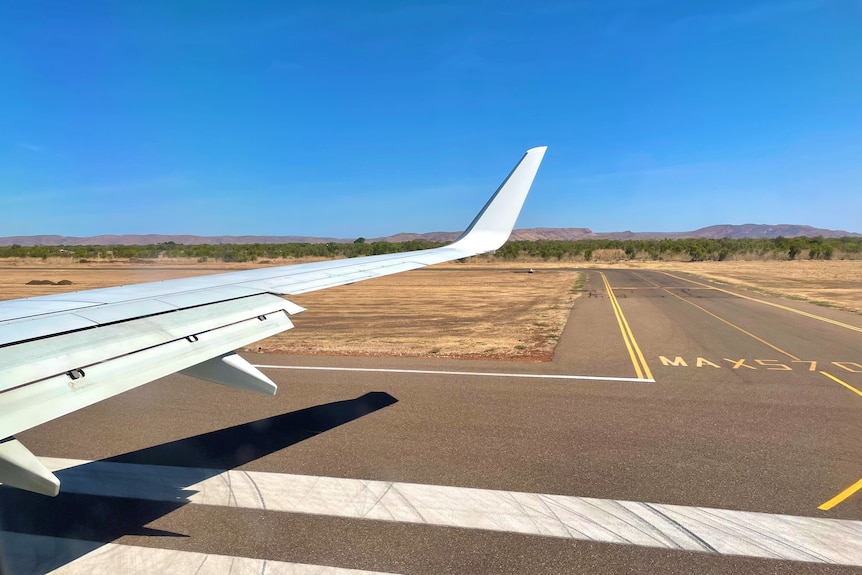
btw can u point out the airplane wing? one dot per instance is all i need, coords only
(63, 352)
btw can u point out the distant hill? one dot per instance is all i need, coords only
(711, 232)
(525, 235)
(766, 231)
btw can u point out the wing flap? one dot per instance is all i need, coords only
(40, 401)
(23, 329)
(78, 350)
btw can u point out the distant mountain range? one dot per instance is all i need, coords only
(712, 232)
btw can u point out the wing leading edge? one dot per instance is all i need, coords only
(63, 352)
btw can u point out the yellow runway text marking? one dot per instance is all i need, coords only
(641, 368)
(841, 496)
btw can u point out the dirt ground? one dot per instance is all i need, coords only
(461, 310)
(473, 310)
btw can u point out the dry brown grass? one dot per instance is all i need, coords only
(459, 310)
(490, 311)
(15, 273)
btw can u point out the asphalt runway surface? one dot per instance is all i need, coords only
(683, 427)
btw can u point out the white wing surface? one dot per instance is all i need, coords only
(63, 352)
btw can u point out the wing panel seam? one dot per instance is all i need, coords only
(126, 320)
(112, 358)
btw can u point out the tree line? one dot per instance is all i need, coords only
(217, 252)
(693, 249)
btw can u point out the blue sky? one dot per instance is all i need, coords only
(370, 118)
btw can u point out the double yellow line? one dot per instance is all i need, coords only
(638, 361)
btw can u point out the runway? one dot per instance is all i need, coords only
(683, 426)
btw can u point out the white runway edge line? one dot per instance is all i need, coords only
(38, 553)
(474, 373)
(718, 531)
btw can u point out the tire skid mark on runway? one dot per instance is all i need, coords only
(715, 531)
(721, 319)
(769, 303)
(641, 368)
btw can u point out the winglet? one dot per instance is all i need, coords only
(493, 225)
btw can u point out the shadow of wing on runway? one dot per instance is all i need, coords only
(234, 446)
(105, 500)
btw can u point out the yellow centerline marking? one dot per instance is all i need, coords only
(618, 314)
(844, 383)
(841, 496)
(779, 306)
(628, 337)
